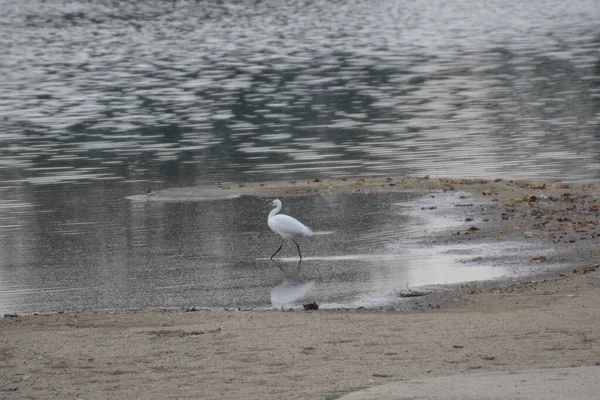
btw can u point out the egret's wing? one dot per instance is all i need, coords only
(288, 226)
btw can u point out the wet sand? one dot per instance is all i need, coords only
(548, 319)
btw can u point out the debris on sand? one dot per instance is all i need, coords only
(408, 292)
(311, 306)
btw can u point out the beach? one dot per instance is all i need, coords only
(548, 318)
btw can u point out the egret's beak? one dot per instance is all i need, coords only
(268, 205)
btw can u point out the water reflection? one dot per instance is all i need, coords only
(292, 288)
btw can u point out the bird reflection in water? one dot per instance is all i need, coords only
(292, 288)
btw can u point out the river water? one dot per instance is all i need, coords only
(100, 100)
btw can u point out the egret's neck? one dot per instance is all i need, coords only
(275, 211)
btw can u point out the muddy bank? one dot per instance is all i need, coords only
(506, 189)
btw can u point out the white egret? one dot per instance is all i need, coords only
(287, 227)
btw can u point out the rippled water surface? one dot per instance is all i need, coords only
(211, 90)
(103, 99)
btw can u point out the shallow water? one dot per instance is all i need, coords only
(100, 100)
(86, 249)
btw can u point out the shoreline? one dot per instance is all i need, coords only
(546, 214)
(171, 354)
(550, 319)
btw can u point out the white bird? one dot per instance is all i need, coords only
(287, 227)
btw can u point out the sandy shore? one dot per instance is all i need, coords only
(551, 319)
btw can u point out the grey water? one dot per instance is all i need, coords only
(80, 248)
(100, 100)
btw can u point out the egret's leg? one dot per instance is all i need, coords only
(298, 247)
(280, 246)
(280, 267)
